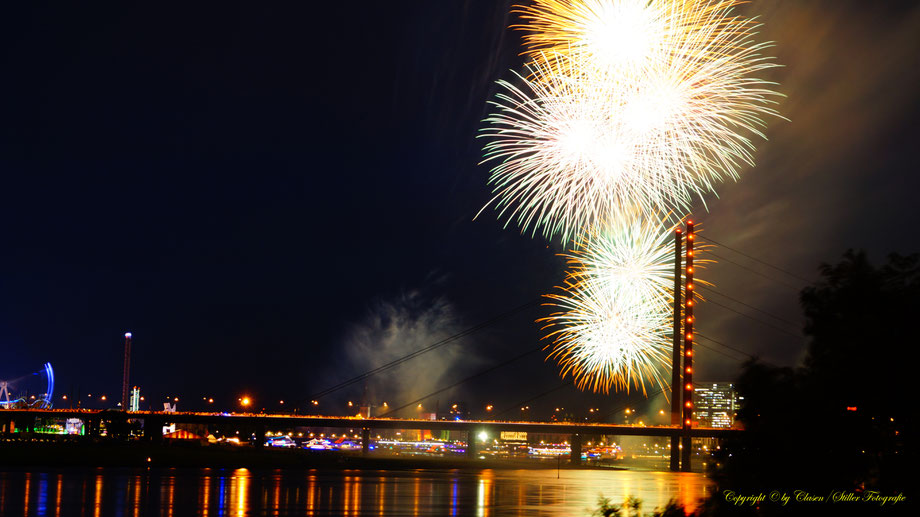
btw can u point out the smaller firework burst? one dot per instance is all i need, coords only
(613, 327)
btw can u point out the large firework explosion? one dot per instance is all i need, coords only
(627, 107)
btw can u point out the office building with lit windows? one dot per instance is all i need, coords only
(717, 404)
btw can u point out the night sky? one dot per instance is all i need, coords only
(274, 199)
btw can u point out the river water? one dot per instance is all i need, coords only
(237, 492)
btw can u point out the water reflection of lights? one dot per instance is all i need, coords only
(381, 495)
(484, 494)
(239, 498)
(276, 492)
(137, 496)
(311, 493)
(97, 498)
(57, 500)
(213, 493)
(170, 495)
(3, 495)
(28, 484)
(351, 502)
(221, 494)
(205, 499)
(356, 497)
(42, 505)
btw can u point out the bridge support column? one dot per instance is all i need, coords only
(686, 450)
(259, 440)
(471, 444)
(675, 453)
(365, 441)
(575, 454)
(153, 429)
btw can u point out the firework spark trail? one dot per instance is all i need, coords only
(608, 130)
(612, 329)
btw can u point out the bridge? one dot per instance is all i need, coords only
(257, 425)
(680, 431)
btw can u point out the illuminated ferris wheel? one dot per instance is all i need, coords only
(34, 390)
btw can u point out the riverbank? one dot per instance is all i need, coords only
(139, 454)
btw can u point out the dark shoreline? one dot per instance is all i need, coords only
(146, 454)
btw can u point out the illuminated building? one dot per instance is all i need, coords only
(716, 404)
(135, 399)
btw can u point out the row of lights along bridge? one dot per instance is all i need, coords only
(459, 411)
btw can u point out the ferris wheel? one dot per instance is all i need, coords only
(34, 390)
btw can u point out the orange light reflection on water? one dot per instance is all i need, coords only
(484, 494)
(346, 500)
(239, 491)
(356, 497)
(97, 497)
(276, 492)
(311, 493)
(381, 495)
(171, 496)
(204, 501)
(57, 498)
(28, 484)
(137, 495)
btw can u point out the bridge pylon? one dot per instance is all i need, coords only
(682, 376)
(688, 356)
(676, 355)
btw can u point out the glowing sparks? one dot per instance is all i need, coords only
(613, 329)
(629, 108)
(612, 33)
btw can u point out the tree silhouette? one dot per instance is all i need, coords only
(844, 419)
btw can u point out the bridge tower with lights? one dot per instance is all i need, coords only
(676, 411)
(126, 374)
(682, 376)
